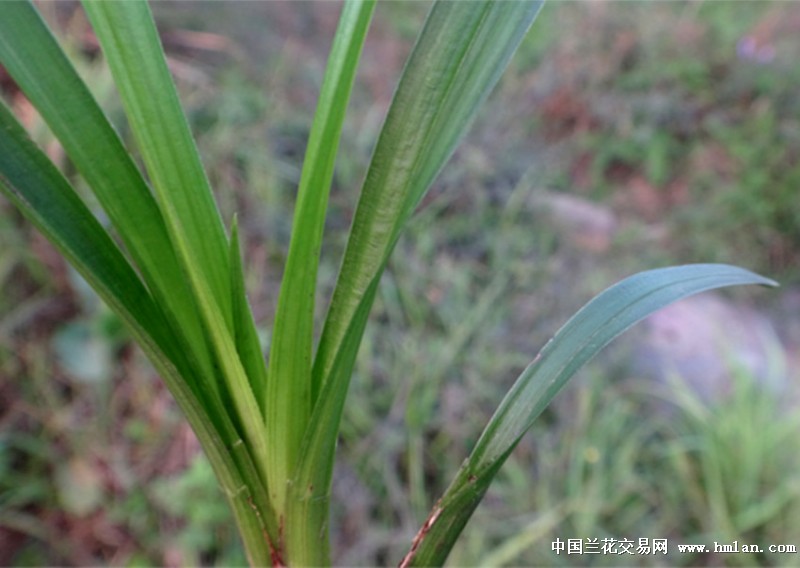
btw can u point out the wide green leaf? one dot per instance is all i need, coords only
(459, 56)
(582, 337)
(288, 394)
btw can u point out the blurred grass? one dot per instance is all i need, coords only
(647, 113)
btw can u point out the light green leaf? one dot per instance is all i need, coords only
(288, 394)
(131, 44)
(309, 496)
(581, 338)
(245, 333)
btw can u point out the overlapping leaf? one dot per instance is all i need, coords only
(288, 396)
(191, 324)
(37, 188)
(187, 305)
(131, 44)
(32, 56)
(458, 58)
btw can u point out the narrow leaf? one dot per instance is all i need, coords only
(310, 491)
(131, 44)
(37, 188)
(288, 394)
(245, 333)
(581, 338)
(458, 58)
(45, 197)
(32, 56)
(132, 47)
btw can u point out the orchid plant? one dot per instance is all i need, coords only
(171, 268)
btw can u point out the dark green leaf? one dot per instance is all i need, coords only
(457, 60)
(32, 56)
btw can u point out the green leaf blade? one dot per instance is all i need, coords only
(38, 189)
(593, 327)
(456, 62)
(245, 332)
(132, 47)
(581, 338)
(32, 56)
(288, 398)
(448, 75)
(310, 491)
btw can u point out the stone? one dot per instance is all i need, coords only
(704, 341)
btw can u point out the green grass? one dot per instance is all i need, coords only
(660, 112)
(698, 474)
(401, 440)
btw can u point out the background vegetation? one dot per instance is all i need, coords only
(622, 138)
